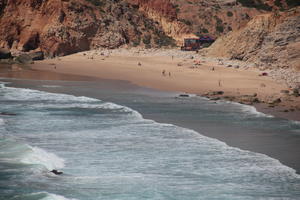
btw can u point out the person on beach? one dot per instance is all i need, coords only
(164, 73)
(169, 74)
(139, 64)
(220, 83)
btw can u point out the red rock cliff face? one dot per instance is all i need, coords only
(162, 7)
(60, 27)
(49, 25)
(270, 40)
(164, 12)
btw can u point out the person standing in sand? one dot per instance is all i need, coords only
(163, 72)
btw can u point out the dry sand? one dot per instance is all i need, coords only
(185, 78)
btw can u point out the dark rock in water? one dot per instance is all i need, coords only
(8, 114)
(218, 93)
(184, 95)
(5, 54)
(54, 171)
(215, 98)
(229, 98)
(255, 100)
(39, 55)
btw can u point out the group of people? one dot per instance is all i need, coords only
(164, 73)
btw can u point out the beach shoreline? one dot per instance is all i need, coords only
(172, 70)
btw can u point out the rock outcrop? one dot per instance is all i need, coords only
(165, 13)
(271, 39)
(180, 18)
(60, 27)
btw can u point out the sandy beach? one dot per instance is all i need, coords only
(186, 72)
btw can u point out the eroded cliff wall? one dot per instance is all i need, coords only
(60, 27)
(269, 40)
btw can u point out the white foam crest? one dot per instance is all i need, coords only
(252, 110)
(36, 95)
(42, 196)
(295, 122)
(263, 162)
(55, 197)
(41, 157)
(104, 106)
(2, 84)
(2, 122)
(109, 105)
(248, 109)
(33, 95)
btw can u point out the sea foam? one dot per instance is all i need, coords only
(248, 109)
(39, 156)
(246, 162)
(55, 197)
(53, 100)
(2, 122)
(41, 196)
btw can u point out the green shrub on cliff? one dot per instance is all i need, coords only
(220, 28)
(97, 2)
(229, 14)
(293, 3)
(164, 40)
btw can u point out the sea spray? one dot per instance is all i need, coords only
(38, 156)
(12, 151)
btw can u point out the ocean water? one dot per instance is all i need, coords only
(109, 151)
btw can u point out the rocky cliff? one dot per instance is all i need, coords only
(164, 13)
(60, 27)
(180, 18)
(269, 40)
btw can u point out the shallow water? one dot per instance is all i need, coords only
(109, 151)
